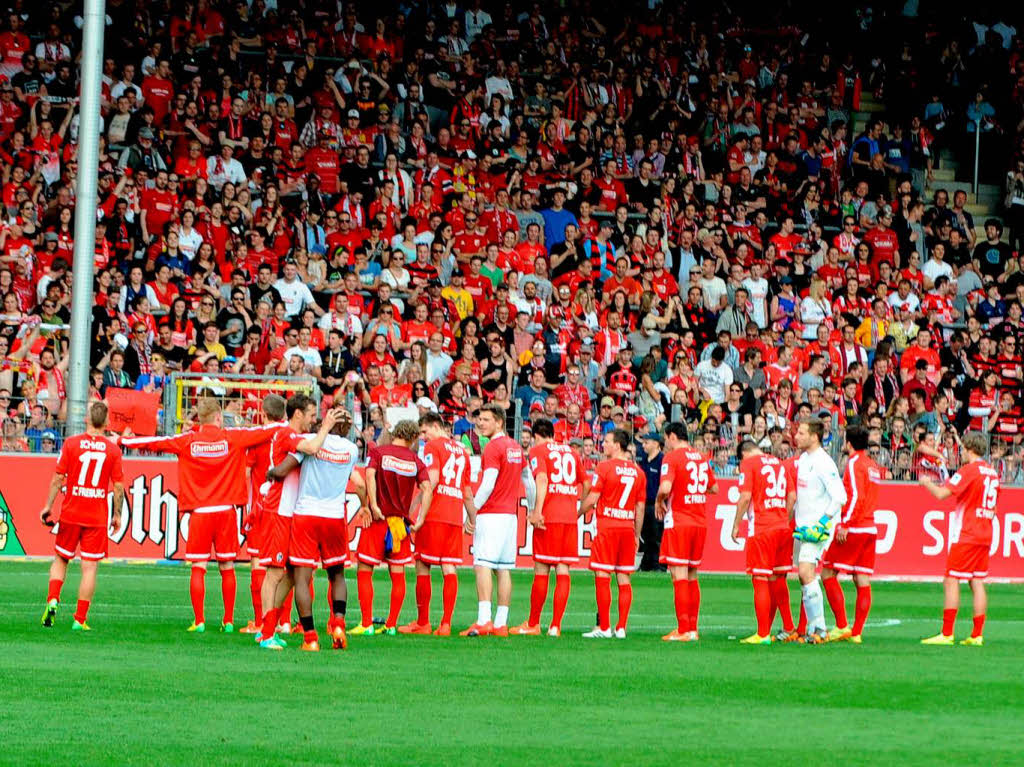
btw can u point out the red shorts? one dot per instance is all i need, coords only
(318, 539)
(557, 543)
(371, 547)
(252, 532)
(275, 538)
(217, 530)
(856, 556)
(438, 543)
(967, 560)
(614, 550)
(770, 552)
(93, 541)
(683, 546)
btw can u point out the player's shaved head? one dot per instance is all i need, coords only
(543, 428)
(208, 410)
(98, 415)
(273, 407)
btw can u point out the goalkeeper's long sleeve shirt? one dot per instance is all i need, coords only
(819, 488)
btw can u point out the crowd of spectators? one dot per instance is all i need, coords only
(609, 215)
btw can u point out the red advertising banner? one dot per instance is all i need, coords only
(912, 539)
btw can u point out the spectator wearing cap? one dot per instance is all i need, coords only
(644, 338)
(603, 422)
(142, 155)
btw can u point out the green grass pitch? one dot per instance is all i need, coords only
(139, 690)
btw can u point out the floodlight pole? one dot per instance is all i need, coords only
(94, 16)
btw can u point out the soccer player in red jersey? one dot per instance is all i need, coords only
(211, 481)
(976, 489)
(257, 462)
(319, 530)
(505, 475)
(686, 480)
(279, 498)
(561, 484)
(439, 527)
(395, 478)
(853, 549)
(766, 500)
(619, 489)
(89, 464)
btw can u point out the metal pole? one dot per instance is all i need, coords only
(977, 153)
(85, 213)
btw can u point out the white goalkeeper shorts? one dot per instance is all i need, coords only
(494, 541)
(806, 551)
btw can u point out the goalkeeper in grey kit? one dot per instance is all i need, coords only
(820, 496)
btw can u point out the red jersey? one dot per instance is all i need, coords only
(257, 460)
(560, 464)
(399, 472)
(89, 464)
(451, 461)
(976, 489)
(281, 495)
(504, 455)
(766, 479)
(622, 489)
(861, 480)
(211, 464)
(691, 475)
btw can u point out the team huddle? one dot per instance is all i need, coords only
(416, 502)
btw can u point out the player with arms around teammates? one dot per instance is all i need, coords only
(504, 476)
(976, 490)
(320, 526)
(619, 490)
(89, 464)
(558, 473)
(686, 481)
(766, 501)
(439, 527)
(820, 497)
(853, 550)
(211, 482)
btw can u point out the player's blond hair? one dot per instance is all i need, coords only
(975, 442)
(407, 431)
(207, 410)
(98, 414)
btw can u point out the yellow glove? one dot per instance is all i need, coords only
(398, 532)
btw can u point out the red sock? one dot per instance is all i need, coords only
(53, 591)
(423, 599)
(538, 595)
(310, 636)
(863, 608)
(694, 603)
(284, 612)
(364, 583)
(780, 596)
(979, 623)
(82, 610)
(763, 606)
(948, 619)
(255, 589)
(562, 583)
(449, 592)
(625, 602)
(269, 623)
(801, 628)
(836, 600)
(397, 597)
(603, 586)
(197, 591)
(227, 590)
(681, 594)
